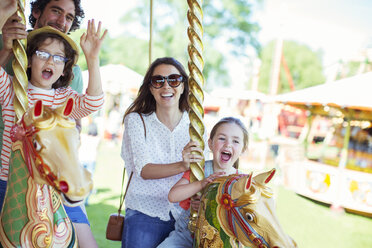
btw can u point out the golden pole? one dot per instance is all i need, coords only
(151, 24)
(196, 82)
(19, 64)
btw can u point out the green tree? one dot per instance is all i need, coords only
(105, 56)
(224, 20)
(304, 65)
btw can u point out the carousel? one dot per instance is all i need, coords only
(331, 160)
(235, 210)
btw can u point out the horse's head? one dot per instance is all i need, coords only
(50, 147)
(246, 211)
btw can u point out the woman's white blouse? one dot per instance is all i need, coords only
(160, 146)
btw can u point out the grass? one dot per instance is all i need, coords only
(312, 224)
(107, 182)
(309, 223)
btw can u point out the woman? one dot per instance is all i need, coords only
(152, 150)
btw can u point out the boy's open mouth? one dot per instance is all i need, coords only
(47, 73)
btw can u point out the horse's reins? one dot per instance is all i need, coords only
(233, 214)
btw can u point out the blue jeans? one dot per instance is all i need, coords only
(141, 230)
(181, 236)
(76, 214)
(2, 193)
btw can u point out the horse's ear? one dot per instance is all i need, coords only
(67, 107)
(265, 177)
(38, 109)
(241, 186)
(249, 182)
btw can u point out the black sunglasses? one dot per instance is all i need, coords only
(174, 80)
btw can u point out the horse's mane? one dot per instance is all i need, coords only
(52, 118)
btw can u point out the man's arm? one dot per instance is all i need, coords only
(5, 62)
(7, 8)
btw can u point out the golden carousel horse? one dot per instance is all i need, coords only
(44, 171)
(239, 210)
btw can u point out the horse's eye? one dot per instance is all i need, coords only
(36, 145)
(249, 216)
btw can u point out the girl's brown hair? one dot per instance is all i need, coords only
(39, 39)
(145, 102)
(242, 127)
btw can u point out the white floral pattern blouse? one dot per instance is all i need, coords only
(161, 146)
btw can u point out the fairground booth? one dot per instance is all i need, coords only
(331, 159)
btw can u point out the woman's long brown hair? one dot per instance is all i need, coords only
(145, 102)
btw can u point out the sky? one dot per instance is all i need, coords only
(339, 28)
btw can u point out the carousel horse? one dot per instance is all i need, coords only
(44, 172)
(239, 210)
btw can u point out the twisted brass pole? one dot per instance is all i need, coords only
(19, 64)
(151, 25)
(196, 82)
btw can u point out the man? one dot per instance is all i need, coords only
(66, 16)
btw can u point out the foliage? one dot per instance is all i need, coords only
(304, 65)
(352, 68)
(105, 56)
(225, 20)
(231, 19)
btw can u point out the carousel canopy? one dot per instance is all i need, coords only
(350, 95)
(117, 79)
(238, 94)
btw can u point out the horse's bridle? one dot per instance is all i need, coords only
(235, 216)
(26, 134)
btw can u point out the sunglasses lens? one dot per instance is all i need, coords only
(174, 80)
(157, 81)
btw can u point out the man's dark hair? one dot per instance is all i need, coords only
(40, 5)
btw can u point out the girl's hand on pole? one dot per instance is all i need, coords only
(195, 202)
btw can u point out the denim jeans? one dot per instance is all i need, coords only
(76, 214)
(141, 230)
(2, 193)
(181, 236)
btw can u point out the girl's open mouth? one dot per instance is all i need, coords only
(225, 156)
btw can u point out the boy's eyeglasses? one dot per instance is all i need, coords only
(174, 80)
(58, 59)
